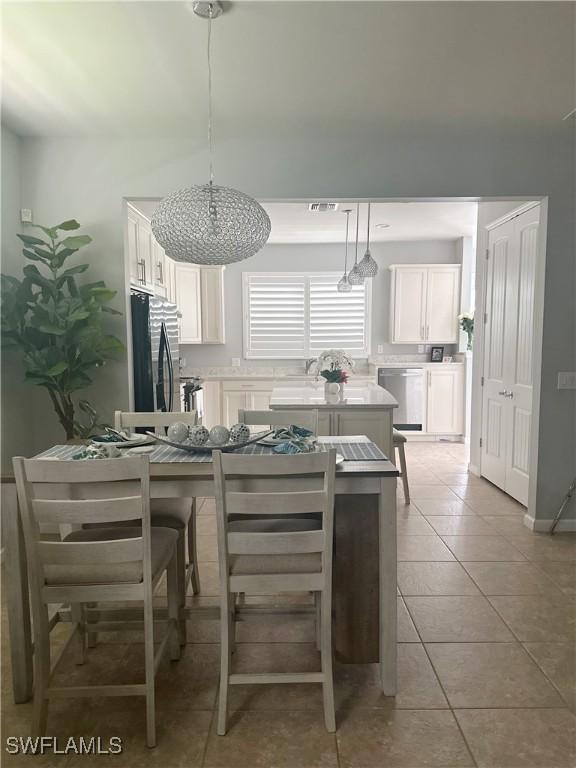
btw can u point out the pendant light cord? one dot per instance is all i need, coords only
(368, 230)
(357, 223)
(346, 251)
(210, 140)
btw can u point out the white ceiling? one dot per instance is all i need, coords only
(284, 68)
(294, 223)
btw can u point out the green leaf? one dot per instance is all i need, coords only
(75, 270)
(74, 243)
(29, 240)
(34, 256)
(111, 311)
(57, 369)
(51, 328)
(50, 231)
(68, 225)
(103, 294)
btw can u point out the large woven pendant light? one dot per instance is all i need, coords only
(210, 224)
(355, 276)
(368, 267)
(344, 284)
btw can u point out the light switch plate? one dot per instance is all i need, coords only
(567, 380)
(236, 362)
(26, 215)
(420, 348)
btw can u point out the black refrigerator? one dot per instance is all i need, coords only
(155, 353)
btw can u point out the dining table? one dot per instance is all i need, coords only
(364, 563)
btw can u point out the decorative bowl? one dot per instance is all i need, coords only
(209, 446)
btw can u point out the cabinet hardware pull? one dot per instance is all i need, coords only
(427, 332)
(422, 336)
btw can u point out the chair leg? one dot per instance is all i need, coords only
(182, 581)
(175, 617)
(41, 673)
(149, 673)
(79, 618)
(402, 454)
(326, 651)
(317, 603)
(192, 553)
(92, 637)
(225, 653)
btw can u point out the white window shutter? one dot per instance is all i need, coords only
(337, 320)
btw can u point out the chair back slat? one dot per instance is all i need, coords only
(306, 418)
(78, 511)
(96, 471)
(295, 543)
(90, 552)
(254, 465)
(157, 421)
(293, 503)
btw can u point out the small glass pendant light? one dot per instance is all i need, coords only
(355, 276)
(344, 285)
(368, 266)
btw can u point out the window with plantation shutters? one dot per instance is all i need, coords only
(294, 315)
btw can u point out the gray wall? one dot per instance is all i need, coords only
(309, 258)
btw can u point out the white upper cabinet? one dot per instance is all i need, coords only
(140, 251)
(424, 303)
(200, 298)
(159, 260)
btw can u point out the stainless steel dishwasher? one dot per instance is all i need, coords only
(407, 386)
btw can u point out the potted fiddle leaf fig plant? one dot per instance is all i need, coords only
(57, 323)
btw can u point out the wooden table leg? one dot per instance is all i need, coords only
(388, 585)
(17, 596)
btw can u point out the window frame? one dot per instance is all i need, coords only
(306, 276)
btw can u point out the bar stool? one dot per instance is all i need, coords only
(399, 441)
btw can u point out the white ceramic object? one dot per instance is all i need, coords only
(219, 435)
(239, 433)
(198, 435)
(178, 431)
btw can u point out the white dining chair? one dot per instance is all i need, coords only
(177, 513)
(281, 550)
(96, 565)
(306, 418)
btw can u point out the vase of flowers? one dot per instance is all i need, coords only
(334, 366)
(466, 322)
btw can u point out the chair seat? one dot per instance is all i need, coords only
(170, 513)
(398, 437)
(244, 565)
(163, 542)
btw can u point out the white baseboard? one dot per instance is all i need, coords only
(543, 526)
(474, 470)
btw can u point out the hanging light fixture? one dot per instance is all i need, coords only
(343, 284)
(368, 267)
(210, 224)
(355, 276)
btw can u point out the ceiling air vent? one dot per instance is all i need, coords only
(322, 207)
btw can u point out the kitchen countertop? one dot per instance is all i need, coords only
(310, 394)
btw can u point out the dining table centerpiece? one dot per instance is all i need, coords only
(334, 366)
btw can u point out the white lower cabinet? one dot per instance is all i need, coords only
(244, 394)
(445, 400)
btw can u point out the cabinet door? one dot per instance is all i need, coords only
(445, 401)
(442, 303)
(136, 275)
(159, 268)
(212, 281)
(212, 393)
(408, 302)
(324, 423)
(169, 268)
(258, 401)
(145, 258)
(188, 299)
(376, 425)
(232, 401)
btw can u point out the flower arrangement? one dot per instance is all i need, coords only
(466, 322)
(334, 365)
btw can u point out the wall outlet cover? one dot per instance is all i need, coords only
(236, 362)
(420, 349)
(567, 380)
(380, 349)
(26, 215)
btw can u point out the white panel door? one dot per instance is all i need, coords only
(442, 303)
(494, 391)
(445, 401)
(521, 332)
(408, 304)
(507, 392)
(189, 301)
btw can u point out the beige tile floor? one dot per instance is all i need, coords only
(487, 660)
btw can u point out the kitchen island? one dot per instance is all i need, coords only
(364, 408)
(364, 524)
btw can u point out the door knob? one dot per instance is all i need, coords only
(502, 392)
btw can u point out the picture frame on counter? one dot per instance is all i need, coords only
(436, 354)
